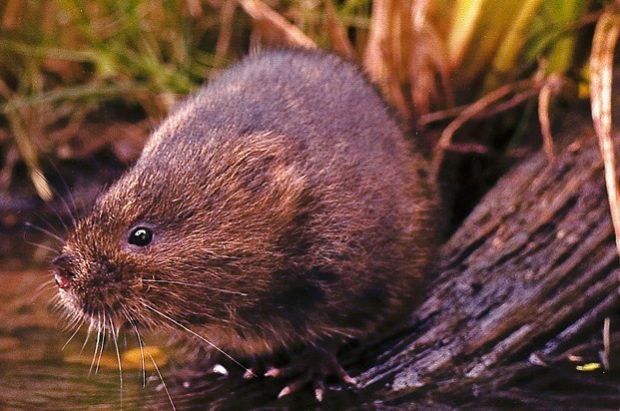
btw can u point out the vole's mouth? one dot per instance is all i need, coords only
(99, 308)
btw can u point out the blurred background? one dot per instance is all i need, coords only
(481, 84)
(83, 82)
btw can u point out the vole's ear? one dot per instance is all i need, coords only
(268, 174)
(287, 191)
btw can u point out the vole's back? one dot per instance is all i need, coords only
(361, 232)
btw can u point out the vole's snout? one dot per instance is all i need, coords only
(61, 280)
(62, 271)
(88, 286)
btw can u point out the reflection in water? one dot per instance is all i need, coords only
(37, 373)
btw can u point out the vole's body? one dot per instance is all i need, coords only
(286, 206)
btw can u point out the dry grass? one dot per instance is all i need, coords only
(436, 61)
(601, 69)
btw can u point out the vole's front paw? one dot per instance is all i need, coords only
(313, 366)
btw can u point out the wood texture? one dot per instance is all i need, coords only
(530, 274)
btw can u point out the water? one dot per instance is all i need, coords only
(37, 373)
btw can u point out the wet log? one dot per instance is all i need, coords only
(529, 276)
(516, 303)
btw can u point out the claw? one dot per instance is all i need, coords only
(314, 366)
(319, 390)
(249, 374)
(220, 369)
(273, 372)
(285, 391)
(349, 380)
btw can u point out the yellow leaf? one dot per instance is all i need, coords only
(591, 366)
(132, 359)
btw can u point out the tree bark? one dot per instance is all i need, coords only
(518, 293)
(530, 275)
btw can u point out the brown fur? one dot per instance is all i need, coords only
(283, 192)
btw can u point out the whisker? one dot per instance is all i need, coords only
(44, 231)
(114, 337)
(71, 321)
(103, 341)
(68, 209)
(195, 285)
(53, 229)
(172, 320)
(73, 212)
(56, 307)
(39, 290)
(140, 343)
(42, 246)
(163, 382)
(79, 326)
(55, 211)
(97, 342)
(56, 214)
(88, 333)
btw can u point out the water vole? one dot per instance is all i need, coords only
(280, 206)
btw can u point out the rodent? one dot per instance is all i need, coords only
(279, 206)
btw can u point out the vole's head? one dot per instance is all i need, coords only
(191, 237)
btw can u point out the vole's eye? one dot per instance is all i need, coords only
(140, 236)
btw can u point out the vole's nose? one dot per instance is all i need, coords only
(62, 281)
(62, 271)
